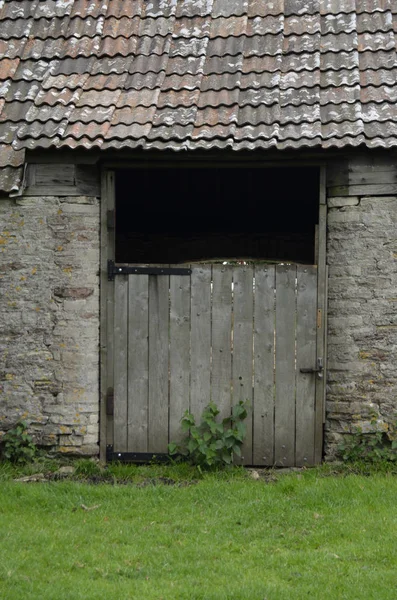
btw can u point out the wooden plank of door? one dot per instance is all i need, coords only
(221, 375)
(264, 326)
(179, 352)
(284, 415)
(243, 317)
(120, 363)
(158, 363)
(306, 334)
(138, 362)
(200, 339)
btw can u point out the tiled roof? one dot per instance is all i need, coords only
(195, 74)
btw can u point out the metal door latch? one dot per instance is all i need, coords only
(319, 369)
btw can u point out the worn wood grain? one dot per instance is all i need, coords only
(325, 333)
(106, 314)
(382, 189)
(243, 305)
(200, 389)
(87, 180)
(368, 168)
(120, 364)
(62, 179)
(284, 418)
(158, 362)
(56, 174)
(366, 175)
(138, 362)
(306, 336)
(179, 353)
(221, 376)
(321, 321)
(338, 174)
(264, 390)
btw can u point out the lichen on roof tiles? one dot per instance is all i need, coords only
(195, 74)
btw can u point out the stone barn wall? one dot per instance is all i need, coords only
(362, 297)
(49, 317)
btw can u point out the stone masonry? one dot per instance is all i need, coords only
(49, 320)
(362, 316)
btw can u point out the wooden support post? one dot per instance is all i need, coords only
(106, 311)
(321, 308)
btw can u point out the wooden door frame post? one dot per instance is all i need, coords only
(107, 242)
(322, 275)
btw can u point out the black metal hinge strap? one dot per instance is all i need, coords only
(142, 457)
(114, 269)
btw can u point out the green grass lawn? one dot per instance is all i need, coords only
(223, 537)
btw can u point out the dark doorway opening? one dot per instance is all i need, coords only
(171, 215)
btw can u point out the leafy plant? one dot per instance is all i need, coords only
(18, 446)
(211, 443)
(371, 447)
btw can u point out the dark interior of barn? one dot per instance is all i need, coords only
(170, 215)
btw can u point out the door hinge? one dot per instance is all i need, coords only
(136, 457)
(110, 402)
(114, 269)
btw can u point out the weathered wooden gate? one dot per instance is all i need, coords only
(223, 332)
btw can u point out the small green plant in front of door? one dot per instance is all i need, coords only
(211, 443)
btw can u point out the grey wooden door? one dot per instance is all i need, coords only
(226, 333)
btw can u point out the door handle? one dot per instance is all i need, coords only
(319, 369)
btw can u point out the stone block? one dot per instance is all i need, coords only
(353, 320)
(91, 438)
(383, 200)
(339, 201)
(370, 426)
(93, 429)
(70, 440)
(345, 271)
(74, 293)
(344, 217)
(81, 209)
(86, 450)
(78, 200)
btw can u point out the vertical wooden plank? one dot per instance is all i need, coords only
(179, 353)
(264, 390)
(106, 312)
(243, 317)
(120, 363)
(105, 291)
(284, 417)
(321, 318)
(200, 339)
(325, 340)
(306, 334)
(138, 362)
(221, 373)
(158, 362)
